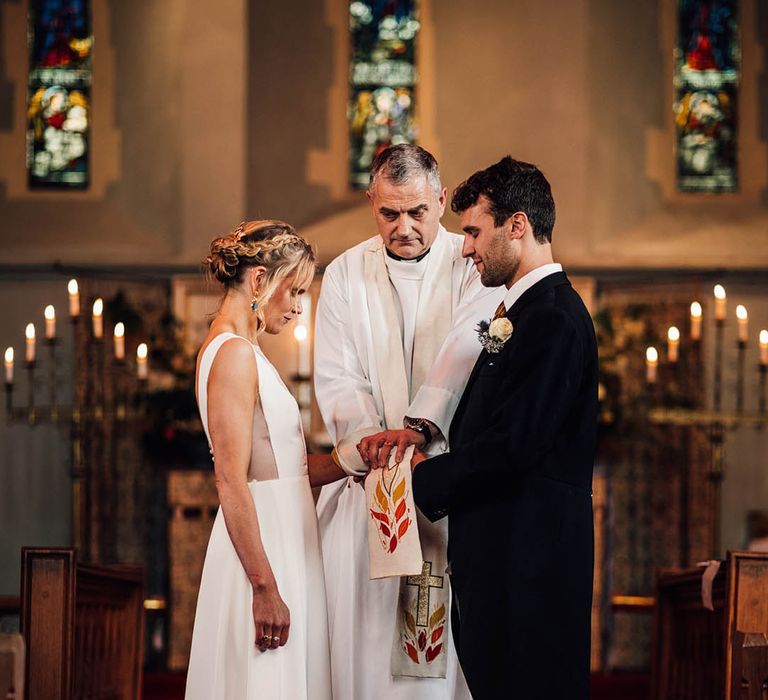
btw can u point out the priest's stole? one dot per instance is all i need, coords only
(393, 536)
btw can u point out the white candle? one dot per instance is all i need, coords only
(742, 319)
(119, 341)
(141, 361)
(9, 365)
(50, 322)
(651, 364)
(74, 299)
(30, 333)
(720, 302)
(98, 318)
(673, 343)
(763, 348)
(696, 321)
(301, 333)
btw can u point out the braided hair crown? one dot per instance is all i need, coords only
(267, 242)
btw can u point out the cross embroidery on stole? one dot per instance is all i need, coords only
(425, 580)
(422, 634)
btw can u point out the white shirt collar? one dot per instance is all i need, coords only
(527, 281)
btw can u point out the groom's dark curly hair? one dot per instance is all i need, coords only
(511, 186)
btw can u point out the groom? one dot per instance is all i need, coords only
(516, 483)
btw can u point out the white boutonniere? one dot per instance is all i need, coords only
(493, 335)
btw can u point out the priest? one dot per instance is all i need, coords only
(394, 345)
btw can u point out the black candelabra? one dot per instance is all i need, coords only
(711, 416)
(108, 397)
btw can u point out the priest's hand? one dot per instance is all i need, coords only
(376, 449)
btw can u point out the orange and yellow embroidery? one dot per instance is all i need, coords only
(389, 508)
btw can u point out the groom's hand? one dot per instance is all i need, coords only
(418, 458)
(375, 449)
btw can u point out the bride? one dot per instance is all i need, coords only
(261, 629)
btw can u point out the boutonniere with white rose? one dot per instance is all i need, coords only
(492, 335)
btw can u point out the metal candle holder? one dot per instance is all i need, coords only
(106, 392)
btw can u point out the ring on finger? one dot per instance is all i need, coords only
(275, 640)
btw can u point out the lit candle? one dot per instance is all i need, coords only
(764, 348)
(50, 322)
(98, 318)
(9, 365)
(651, 364)
(141, 361)
(742, 318)
(695, 321)
(120, 341)
(74, 299)
(720, 299)
(30, 333)
(301, 333)
(673, 343)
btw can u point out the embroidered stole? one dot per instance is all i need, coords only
(419, 644)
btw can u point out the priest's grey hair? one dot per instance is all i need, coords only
(401, 162)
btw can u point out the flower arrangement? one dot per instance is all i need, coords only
(493, 334)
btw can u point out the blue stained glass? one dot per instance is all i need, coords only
(707, 66)
(59, 94)
(382, 80)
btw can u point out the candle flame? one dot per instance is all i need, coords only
(763, 337)
(719, 291)
(98, 307)
(300, 333)
(50, 312)
(141, 351)
(72, 286)
(696, 310)
(9, 356)
(741, 312)
(30, 331)
(652, 355)
(673, 333)
(119, 330)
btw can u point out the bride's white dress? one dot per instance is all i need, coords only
(224, 662)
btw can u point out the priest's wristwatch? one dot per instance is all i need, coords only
(420, 426)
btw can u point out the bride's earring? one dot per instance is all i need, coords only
(254, 303)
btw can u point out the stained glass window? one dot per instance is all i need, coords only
(59, 93)
(382, 80)
(707, 65)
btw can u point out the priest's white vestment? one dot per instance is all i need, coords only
(363, 613)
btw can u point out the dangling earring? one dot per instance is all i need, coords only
(254, 304)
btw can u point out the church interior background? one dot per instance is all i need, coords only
(133, 133)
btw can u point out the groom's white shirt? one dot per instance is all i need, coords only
(527, 281)
(348, 388)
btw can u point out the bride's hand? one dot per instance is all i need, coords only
(271, 617)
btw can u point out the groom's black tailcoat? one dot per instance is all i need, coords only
(516, 486)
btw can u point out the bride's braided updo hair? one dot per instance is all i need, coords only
(271, 244)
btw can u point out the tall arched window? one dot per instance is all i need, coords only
(707, 71)
(382, 80)
(59, 94)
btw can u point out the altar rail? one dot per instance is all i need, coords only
(83, 626)
(703, 654)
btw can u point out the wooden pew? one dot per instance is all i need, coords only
(83, 626)
(711, 654)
